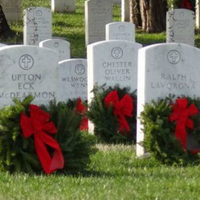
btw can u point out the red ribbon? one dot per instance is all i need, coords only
(122, 108)
(80, 108)
(38, 124)
(186, 4)
(181, 113)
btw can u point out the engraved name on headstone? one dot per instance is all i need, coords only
(28, 70)
(72, 79)
(112, 62)
(120, 31)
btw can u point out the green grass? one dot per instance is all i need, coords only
(115, 173)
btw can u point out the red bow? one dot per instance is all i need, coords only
(80, 108)
(121, 108)
(186, 4)
(37, 125)
(181, 113)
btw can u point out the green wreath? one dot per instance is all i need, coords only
(106, 124)
(18, 153)
(166, 135)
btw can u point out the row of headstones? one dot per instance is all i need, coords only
(98, 13)
(38, 26)
(180, 23)
(156, 71)
(13, 8)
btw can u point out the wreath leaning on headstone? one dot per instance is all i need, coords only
(172, 130)
(113, 113)
(35, 138)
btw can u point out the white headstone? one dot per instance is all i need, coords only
(12, 9)
(112, 62)
(72, 79)
(37, 25)
(28, 70)
(98, 13)
(180, 26)
(165, 69)
(125, 10)
(63, 5)
(62, 46)
(120, 31)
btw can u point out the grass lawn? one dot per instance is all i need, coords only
(115, 172)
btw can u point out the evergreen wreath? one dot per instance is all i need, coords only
(18, 153)
(167, 126)
(102, 112)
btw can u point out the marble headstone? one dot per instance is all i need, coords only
(180, 26)
(63, 5)
(120, 31)
(72, 79)
(112, 62)
(12, 9)
(98, 13)
(62, 46)
(37, 25)
(28, 70)
(165, 69)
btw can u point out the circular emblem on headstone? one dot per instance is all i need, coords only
(56, 44)
(117, 53)
(173, 56)
(26, 62)
(80, 69)
(38, 13)
(99, 3)
(121, 28)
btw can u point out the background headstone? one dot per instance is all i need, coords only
(62, 46)
(180, 26)
(37, 25)
(63, 5)
(125, 10)
(165, 69)
(72, 79)
(28, 70)
(98, 13)
(12, 9)
(120, 31)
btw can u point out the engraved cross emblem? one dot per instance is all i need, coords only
(26, 61)
(174, 56)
